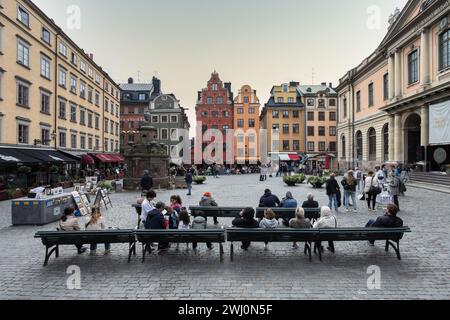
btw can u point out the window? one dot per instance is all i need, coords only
(90, 94)
(73, 84)
(285, 114)
(23, 92)
(444, 50)
(82, 117)
(45, 136)
(89, 119)
(62, 139)
(91, 75)
(112, 145)
(23, 133)
(155, 119)
(280, 100)
(322, 146)
(142, 97)
(46, 35)
(372, 144)
(286, 145)
(344, 146)
(1, 84)
(321, 103)
(173, 119)
(311, 131)
(332, 131)
(321, 131)
(83, 66)
(90, 143)
(358, 101)
(386, 87)
(62, 77)
(107, 105)
(164, 134)
(214, 87)
(359, 146)
(23, 16)
(296, 145)
(311, 147)
(164, 119)
(97, 143)
(62, 109)
(332, 146)
(82, 142)
(295, 114)
(82, 90)
(97, 78)
(97, 98)
(321, 116)
(285, 88)
(332, 102)
(1, 38)
(386, 142)
(117, 129)
(74, 59)
(291, 100)
(275, 114)
(276, 127)
(311, 103)
(240, 123)
(73, 140)
(286, 129)
(251, 110)
(112, 127)
(296, 128)
(107, 125)
(45, 103)
(240, 110)
(251, 123)
(220, 100)
(310, 116)
(413, 67)
(63, 49)
(23, 53)
(97, 122)
(209, 100)
(73, 113)
(370, 89)
(332, 116)
(246, 100)
(345, 107)
(106, 145)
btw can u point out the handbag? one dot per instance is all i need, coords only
(362, 196)
(374, 190)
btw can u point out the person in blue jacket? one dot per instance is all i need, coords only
(289, 203)
(156, 220)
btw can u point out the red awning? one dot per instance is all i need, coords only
(87, 159)
(106, 158)
(117, 158)
(294, 157)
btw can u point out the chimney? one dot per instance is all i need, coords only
(156, 86)
(331, 85)
(199, 97)
(294, 84)
(324, 84)
(130, 81)
(91, 56)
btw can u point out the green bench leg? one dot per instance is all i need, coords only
(146, 247)
(308, 250)
(131, 250)
(49, 254)
(232, 252)
(395, 247)
(221, 252)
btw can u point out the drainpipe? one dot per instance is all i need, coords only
(353, 123)
(56, 92)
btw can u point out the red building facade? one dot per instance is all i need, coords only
(214, 110)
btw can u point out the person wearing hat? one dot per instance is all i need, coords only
(208, 201)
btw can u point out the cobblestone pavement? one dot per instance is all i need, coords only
(279, 273)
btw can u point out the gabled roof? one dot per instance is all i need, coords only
(315, 89)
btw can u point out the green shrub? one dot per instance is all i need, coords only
(317, 182)
(199, 179)
(300, 178)
(24, 170)
(104, 185)
(290, 181)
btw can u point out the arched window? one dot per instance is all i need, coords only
(372, 134)
(343, 147)
(386, 142)
(359, 146)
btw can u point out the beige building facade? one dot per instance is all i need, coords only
(386, 102)
(52, 93)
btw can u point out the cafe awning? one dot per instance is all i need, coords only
(32, 156)
(118, 157)
(294, 157)
(87, 159)
(11, 156)
(49, 156)
(109, 158)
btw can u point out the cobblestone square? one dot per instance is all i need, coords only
(279, 273)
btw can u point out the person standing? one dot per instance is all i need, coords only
(333, 190)
(189, 179)
(146, 182)
(372, 189)
(349, 184)
(359, 178)
(394, 187)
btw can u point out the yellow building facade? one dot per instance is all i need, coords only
(52, 94)
(246, 125)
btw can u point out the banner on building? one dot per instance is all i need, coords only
(440, 123)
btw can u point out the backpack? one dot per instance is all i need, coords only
(199, 223)
(402, 187)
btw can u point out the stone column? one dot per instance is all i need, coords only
(425, 126)
(391, 76)
(391, 137)
(398, 138)
(398, 73)
(425, 57)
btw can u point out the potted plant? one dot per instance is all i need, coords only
(300, 178)
(317, 182)
(104, 185)
(290, 181)
(199, 179)
(24, 170)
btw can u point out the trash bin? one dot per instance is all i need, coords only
(119, 185)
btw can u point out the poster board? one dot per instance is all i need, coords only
(440, 123)
(102, 196)
(81, 202)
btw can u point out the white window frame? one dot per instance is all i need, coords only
(43, 142)
(73, 86)
(19, 16)
(65, 139)
(25, 53)
(82, 89)
(90, 72)
(82, 142)
(17, 93)
(45, 67)
(74, 59)
(1, 38)
(25, 124)
(63, 49)
(48, 95)
(62, 75)
(44, 29)
(83, 65)
(72, 140)
(1, 84)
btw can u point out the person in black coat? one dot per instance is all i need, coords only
(310, 203)
(188, 179)
(246, 220)
(156, 220)
(389, 220)
(269, 200)
(333, 192)
(146, 182)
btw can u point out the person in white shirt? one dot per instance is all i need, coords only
(97, 223)
(371, 181)
(148, 205)
(185, 223)
(359, 178)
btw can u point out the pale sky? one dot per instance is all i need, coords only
(257, 42)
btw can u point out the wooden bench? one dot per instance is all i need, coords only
(220, 212)
(289, 213)
(392, 236)
(147, 237)
(308, 236)
(53, 239)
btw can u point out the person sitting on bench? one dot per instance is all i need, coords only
(269, 200)
(156, 220)
(299, 222)
(389, 220)
(268, 222)
(208, 201)
(310, 203)
(246, 219)
(69, 222)
(148, 205)
(96, 222)
(327, 220)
